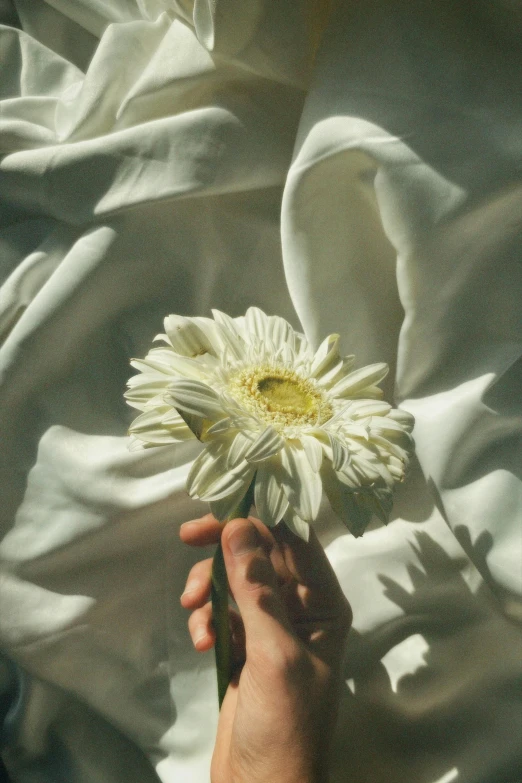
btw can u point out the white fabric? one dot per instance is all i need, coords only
(147, 147)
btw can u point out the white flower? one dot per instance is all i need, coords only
(265, 405)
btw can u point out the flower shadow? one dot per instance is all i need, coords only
(445, 709)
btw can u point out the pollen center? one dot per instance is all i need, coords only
(285, 394)
(280, 396)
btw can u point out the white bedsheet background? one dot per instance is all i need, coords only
(355, 169)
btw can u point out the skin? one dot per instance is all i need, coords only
(280, 709)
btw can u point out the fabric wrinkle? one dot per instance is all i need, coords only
(353, 168)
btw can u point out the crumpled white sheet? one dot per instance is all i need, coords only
(360, 164)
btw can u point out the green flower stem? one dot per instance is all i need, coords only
(223, 645)
(219, 594)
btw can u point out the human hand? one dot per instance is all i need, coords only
(279, 712)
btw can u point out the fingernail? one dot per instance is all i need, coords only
(190, 522)
(243, 539)
(191, 586)
(199, 639)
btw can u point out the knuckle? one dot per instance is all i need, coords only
(258, 575)
(287, 661)
(199, 618)
(202, 568)
(192, 622)
(198, 580)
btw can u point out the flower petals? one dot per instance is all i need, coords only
(327, 351)
(404, 418)
(150, 428)
(175, 423)
(256, 323)
(326, 360)
(267, 445)
(188, 338)
(269, 498)
(388, 447)
(186, 388)
(229, 482)
(238, 449)
(359, 409)
(297, 525)
(197, 403)
(355, 431)
(301, 484)
(348, 476)
(344, 503)
(223, 508)
(340, 452)
(230, 334)
(204, 470)
(144, 390)
(386, 426)
(281, 333)
(171, 364)
(368, 471)
(195, 398)
(359, 380)
(313, 451)
(220, 426)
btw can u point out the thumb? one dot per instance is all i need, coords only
(253, 583)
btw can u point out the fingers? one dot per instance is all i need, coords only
(207, 530)
(292, 558)
(201, 532)
(197, 587)
(282, 584)
(310, 567)
(305, 561)
(200, 628)
(254, 583)
(203, 635)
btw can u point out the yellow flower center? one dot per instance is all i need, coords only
(280, 396)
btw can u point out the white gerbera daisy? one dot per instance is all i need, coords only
(266, 406)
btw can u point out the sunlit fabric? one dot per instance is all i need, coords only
(353, 167)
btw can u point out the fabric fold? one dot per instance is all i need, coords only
(353, 168)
